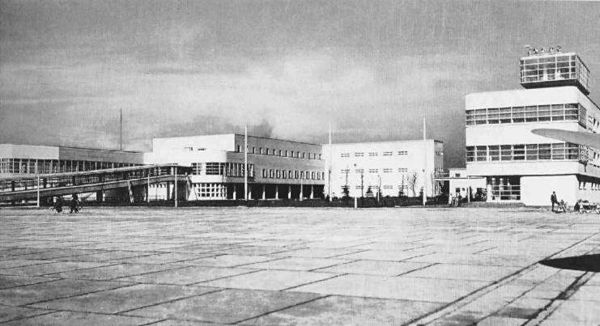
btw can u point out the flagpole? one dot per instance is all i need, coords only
(330, 165)
(246, 162)
(424, 162)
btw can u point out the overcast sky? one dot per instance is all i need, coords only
(374, 68)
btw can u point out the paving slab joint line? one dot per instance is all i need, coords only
(256, 262)
(418, 269)
(125, 312)
(329, 266)
(560, 299)
(463, 301)
(283, 308)
(27, 305)
(349, 253)
(312, 282)
(222, 277)
(30, 316)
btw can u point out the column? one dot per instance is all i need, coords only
(234, 191)
(264, 193)
(276, 191)
(289, 191)
(301, 192)
(312, 192)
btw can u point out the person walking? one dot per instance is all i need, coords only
(74, 204)
(553, 199)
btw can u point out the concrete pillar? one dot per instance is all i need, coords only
(276, 191)
(249, 192)
(264, 192)
(234, 191)
(289, 191)
(301, 193)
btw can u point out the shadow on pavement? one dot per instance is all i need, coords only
(590, 263)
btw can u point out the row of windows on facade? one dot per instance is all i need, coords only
(280, 152)
(222, 168)
(292, 174)
(532, 113)
(372, 154)
(21, 165)
(521, 152)
(376, 187)
(385, 170)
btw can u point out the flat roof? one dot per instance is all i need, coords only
(77, 148)
(388, 142)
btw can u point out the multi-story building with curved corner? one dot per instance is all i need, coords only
(277, 169)
(520, 166)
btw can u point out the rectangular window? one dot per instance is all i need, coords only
(359, 154)
(518, 114)
(372, 153)
(271, 173)
(345, 155)
(470, 152)
(481, 153)
(359, 171)
(494, 153)
(213, 168)
(387, 170)
(504, 114)
(531, 152)
(402, 152)
(531, 114)
(557, 112)
(470, 117)
(506, 152)
(545, 151)
(387, 153)
(544, 113)
(278, 174)
(493, 116)
(373, 170)
(572, 151)
(518, 152)
(558, 151)
(264, 173)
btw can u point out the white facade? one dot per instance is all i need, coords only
(395, 167)
(278, 169)
(520, 166)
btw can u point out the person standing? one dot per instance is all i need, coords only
(553, 200)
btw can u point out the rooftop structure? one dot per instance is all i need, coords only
(549, 69)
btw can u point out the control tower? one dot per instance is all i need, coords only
(554, 68)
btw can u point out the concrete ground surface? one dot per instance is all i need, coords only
(296, 266)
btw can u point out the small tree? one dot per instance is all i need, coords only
(345, 191)
(412, 182)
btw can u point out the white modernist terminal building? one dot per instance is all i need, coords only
(389, 168)
(519, 166)
(277, 168)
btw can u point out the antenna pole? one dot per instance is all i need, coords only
(424, 162)
(120, 129)
(246, 162)
(330, 165)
